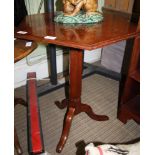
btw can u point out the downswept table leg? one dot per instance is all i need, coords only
(88, 110)
(74, 94)
(16, 140)
(19, 101)
(74, 103)
(16, 143)
(66, 129)
(63, 104)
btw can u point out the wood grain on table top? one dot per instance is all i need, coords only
(115, 27)
(20, 49)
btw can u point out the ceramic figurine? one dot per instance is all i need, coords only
(72, 7)
(79, 11)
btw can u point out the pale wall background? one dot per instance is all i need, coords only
(37, 61)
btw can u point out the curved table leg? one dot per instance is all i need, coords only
(74, 102)
(63, 104)
(88, 110)
(19, 101)
(66, 129)
(16, 140)
(16, 143)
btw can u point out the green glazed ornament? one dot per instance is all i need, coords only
(80, 18)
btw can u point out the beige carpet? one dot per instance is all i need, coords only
(102, 94)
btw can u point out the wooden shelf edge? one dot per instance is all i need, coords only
(130, 110)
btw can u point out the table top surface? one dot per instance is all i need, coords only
(20, 49)
(115, 27)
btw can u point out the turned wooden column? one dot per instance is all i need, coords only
(74, 103)
(74, 94)
(76, 58)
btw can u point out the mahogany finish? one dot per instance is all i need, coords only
(114, 28)
(75, 106)
(20, 50)
(129, 106)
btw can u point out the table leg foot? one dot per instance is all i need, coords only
(66, 128)
(16, 140)
(88, 110)
(63, 104)
(16, 143)
(19, 101)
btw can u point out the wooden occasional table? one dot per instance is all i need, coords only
(21, 51)
(114, 28)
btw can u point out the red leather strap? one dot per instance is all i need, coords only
(34, 119)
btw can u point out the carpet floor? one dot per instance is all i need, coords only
(101, 94)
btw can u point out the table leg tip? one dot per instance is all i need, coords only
(19, 152)
(101, 118)
(58, 149)
(61, 105)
